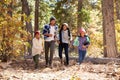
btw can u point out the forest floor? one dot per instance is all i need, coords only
(24, 70)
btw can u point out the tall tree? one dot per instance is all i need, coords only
(109, 28)
(80, 4)
(26, 10)
(118, 8)
(36, 26)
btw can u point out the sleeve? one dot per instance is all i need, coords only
(71, 37)
(76, 42)
(58, 37)
(56, 33)
(88, 42)
(44, 30)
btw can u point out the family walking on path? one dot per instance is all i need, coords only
(63, 37)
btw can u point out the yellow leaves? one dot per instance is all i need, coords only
(13, 29)
(117, 26)
(4, 23)
(75, 78)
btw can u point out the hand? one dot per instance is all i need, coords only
(50, 35)
(42, 51)
(83, 46)
(58, 42)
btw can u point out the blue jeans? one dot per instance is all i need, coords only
(82, 55)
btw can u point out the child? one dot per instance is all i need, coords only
(64, 39)
(37, 48)
(82, 43)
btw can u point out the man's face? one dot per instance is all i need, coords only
(53, 22)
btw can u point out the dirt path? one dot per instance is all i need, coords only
(24, 70)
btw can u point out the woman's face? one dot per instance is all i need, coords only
(82, 34)
(64, 27)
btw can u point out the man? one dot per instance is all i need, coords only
(50, 32)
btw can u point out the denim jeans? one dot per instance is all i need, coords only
(65, 47)
(82, 55)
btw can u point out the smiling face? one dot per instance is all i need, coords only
(64, 27)
(37, 35)
(52, 22)
(82, 34)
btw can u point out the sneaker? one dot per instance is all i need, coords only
(51, 66)
(61, 61)
(46, 65)
(78, 63)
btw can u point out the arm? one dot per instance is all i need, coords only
(45, 31)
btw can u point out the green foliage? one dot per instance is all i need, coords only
(85, 15)
(64, 11)
(45, 13)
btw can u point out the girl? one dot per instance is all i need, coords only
(37, 48)
(82, 42)
(64, 39)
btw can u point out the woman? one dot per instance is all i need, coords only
(37, 48)
(64, 39)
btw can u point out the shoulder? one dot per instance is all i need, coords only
(34, 39)
(46, 26)
(86, 36)
(56, 26)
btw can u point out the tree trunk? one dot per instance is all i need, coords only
(26, 10)
(104, 42)
(36, 15)
(117, 8)
(79, 24)
(109, 28)
(79, 21)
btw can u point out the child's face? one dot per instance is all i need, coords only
(64, 27)
(37, 36)
(82, 34)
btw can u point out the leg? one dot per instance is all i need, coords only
(83, 55)
(46, 52)
(80, 56)
(60, 52)
(52, 50)
(66, 53)
(36, 60)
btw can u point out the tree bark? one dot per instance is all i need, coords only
(104, 42)
(36, 26)
(26, 10)
(117, 2)
(109, 28)
(79, 24)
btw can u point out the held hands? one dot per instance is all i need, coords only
(58, 41)
(42, 51)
